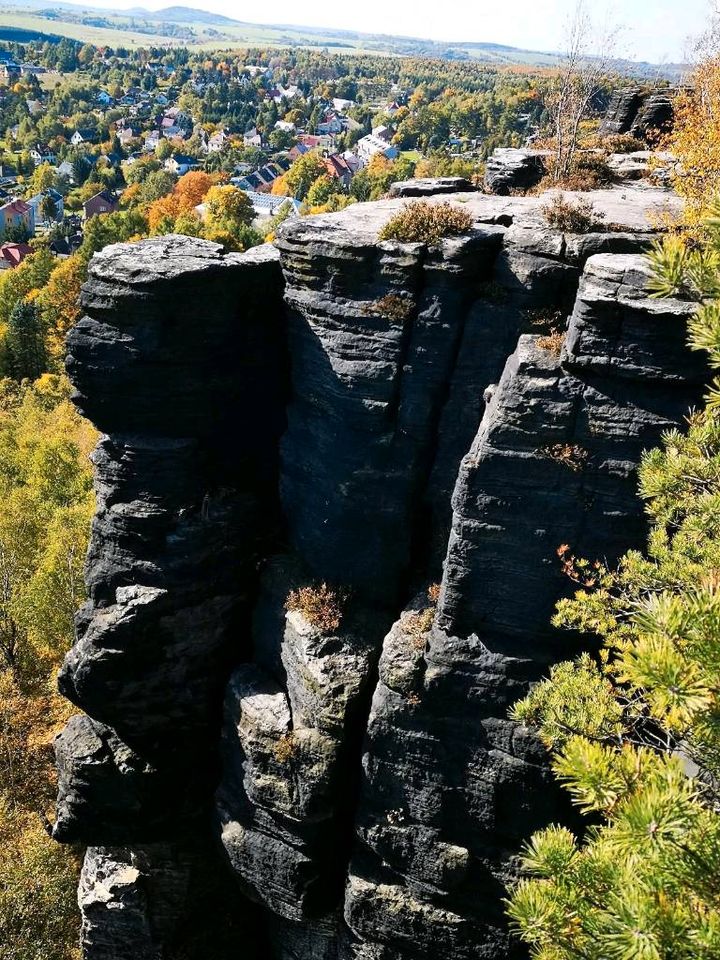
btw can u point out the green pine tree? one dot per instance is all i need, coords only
(25, 343)
(635, 734)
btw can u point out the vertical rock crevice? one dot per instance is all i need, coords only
(300, 414)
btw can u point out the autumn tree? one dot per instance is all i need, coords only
(695, 139)
(300, 177)
(46, 490)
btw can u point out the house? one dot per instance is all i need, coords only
(180, 164)
(13, 254)
(36, 201)
(368, 146)
(104, 98)
(31, 69)
(161, 99)
(383, 133)
(339, 168)
(314, 142)
(84, 135)
(289, 93)
(267, 206)
(127, 134)
(34, 106)
(342, 105)
(331, 123)
(251, 138)
(217, 141)
(174, 132)
(17, 213)
(41, 153)
(299, 150)
(250, 183)
(285, 125)
(10, 71)
(103, 202)
(152, 140)
(67, 170)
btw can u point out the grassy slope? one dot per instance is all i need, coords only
(244, 34)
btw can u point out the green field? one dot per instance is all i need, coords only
(122, 30)
(200, 31)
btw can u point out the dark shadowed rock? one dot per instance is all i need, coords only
(431, 186)
(346, 410)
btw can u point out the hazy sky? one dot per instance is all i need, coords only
(656, 29)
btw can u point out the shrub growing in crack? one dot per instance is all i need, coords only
(570, 455)
(392, 307)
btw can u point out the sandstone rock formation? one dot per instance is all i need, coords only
(509, 169)
(420, 426)
(639, 112)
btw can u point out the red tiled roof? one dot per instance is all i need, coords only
(16, 206)
(14, 253)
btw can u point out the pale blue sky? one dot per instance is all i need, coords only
(655, 29)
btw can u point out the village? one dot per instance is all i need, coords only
(51, 186)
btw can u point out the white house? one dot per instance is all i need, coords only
(217, 141)
(179, 164)
(368, 146)
(251, 138)
(152, 140)
(41, 153)
(81, 136)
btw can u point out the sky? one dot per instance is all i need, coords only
(654, 30)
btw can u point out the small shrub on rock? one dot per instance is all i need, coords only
(285, 748)
(424, 222)
(320, 605)
(570, 216)
(569, 455)
(392, 307)
(418, 624)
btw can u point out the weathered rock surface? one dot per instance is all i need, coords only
(431, 186)
(639, 112)
(302, 414)
(508, 169)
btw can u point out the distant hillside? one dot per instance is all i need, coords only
(180, 15)
(194, 28)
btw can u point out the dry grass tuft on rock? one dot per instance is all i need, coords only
(570, 216)
(321, 606)
(552, 342)
(424, 222)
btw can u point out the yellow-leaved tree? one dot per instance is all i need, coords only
(46, 492)
(696, 138)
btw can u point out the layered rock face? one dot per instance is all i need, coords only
(420, 427)
(640, 112)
